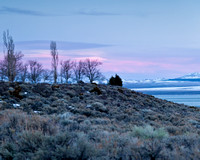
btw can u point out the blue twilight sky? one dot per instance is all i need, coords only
(137, 39)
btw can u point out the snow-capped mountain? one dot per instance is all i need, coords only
(195, 75)
(192, 79)
(144, 81)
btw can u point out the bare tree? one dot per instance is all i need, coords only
(13, 65)
(54, 62)
(61, 73)
(46, 75)
(9, 46)
(23, 75)
(91, 70)
(35, 71)
(2, 70)
(66, 69)
(79, 70)
(12, 60)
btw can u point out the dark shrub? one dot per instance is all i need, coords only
(43, 89)
(96, 90)
(112, 81)
(16, 92)
(116, 81)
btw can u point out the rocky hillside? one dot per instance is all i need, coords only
(116, 123)
(111, 104)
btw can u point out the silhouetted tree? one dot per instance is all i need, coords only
(117, 81)
(46, 74)
(23, 75)
(35, 71)
(54, 62)
(111, 81)
(2, 70)
(66, 69)
(61, 73)
(91, 70)
(79, 70)
(12, 60)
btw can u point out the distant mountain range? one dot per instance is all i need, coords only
(189, 77)
(192, 79)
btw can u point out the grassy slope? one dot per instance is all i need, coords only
(94, 121)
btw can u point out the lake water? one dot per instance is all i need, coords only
(183, 95)
(191, 100)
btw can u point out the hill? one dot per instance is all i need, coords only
(89, 121)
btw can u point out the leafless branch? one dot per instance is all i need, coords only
(54, 62)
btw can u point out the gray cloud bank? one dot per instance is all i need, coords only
(84, 12)
(61, 45)
(95, 13)
(9, 10)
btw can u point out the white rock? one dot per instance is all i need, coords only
(37, 111)
(11, 89)
(71, 107)
(16, 105)
(88, 106)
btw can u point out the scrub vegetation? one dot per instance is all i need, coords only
(89, 121)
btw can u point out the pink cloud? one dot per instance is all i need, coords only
(92, 58)
(44, 56)
(144, 66)
(152, 65)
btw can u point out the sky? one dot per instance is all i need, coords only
(137, 39)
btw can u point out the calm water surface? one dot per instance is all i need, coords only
(181, 95)
(191, 100)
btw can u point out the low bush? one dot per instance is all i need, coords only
(148, 132)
